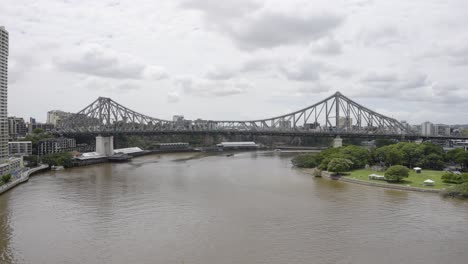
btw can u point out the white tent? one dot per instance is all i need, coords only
(429, 182)
(417, 169)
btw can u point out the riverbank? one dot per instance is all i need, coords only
(326, 174)
(24, 177)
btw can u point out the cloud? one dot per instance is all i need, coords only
(393, 82)
(220, 72)
(221, 10)
(19, 66)
(381, 35)
(253, 26)
(97, 60)
(93, 83)
(213, 88)
(271, 29)
(303, 70)
(325, 46)
(314, 88)
(173, 97)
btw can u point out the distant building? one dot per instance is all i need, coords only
(55, 116)
(442, 130)
(345, 122)
(16, 127)
(55, 145)
(177, 118)
(43, 126)
(20, 148)
(427, 129)
(285, 124)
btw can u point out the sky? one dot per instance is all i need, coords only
(239, 60)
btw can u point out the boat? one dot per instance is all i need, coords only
(230, 155)
(56, 168)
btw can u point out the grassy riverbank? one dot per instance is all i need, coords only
(413, 180)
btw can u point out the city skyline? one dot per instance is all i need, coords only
(172, 57)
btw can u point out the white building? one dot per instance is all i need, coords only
(3, 94)
(55, 116)
(20, 148)
(10, 165)
(427, 129)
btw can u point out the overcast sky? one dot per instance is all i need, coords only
(242, 59)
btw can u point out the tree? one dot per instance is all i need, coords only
(396, 173)
(462, 159)
(433, 161)
(459, 191)
(452, 154)
(389, 155)
(59, 159)
(6, 178)
(359, 156)
(38, 131)
(412, 154)
(305, 161)
(454, 178)
(383, 142)
(338, 165)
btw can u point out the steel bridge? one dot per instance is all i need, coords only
(336, 115)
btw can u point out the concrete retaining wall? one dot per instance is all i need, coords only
(24, 178)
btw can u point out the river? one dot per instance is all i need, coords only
(248, 208)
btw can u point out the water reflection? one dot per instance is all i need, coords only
(246, 208)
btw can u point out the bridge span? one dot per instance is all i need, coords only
(336, 115)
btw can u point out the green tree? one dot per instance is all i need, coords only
(396, 173)
(6, 178)
(452, 154)
(359, 156)
(305, 161)
(433, 161)
(462, 159)
(389, 155)
(458, 191)
(454, 178)
(59, 159)
(412, 154)
(383, 142)
(339, 165)
(429, 148)
(31, 160)
(38, 131)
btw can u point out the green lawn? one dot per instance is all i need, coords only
(413, 180)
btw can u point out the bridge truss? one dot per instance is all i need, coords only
(336, 114)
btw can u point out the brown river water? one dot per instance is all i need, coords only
(248, 208)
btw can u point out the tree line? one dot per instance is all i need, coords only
(425, 155)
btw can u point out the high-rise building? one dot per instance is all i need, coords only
(16, 127)
(427, 129)
(55, 116)
(3, 93)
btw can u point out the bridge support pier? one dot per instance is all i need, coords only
(105, 145)
(337, 142)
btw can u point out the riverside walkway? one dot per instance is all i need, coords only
(22, 177)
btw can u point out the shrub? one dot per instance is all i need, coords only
(457, 191)
(396, 173)
(6, 178)
(338, 165)
(454, 178)
(305, 161)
